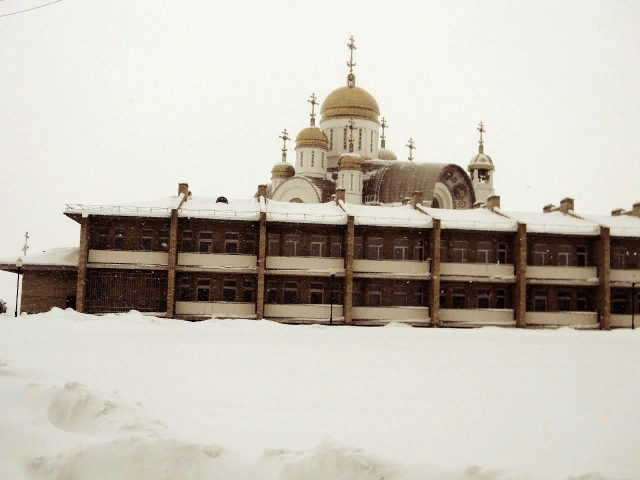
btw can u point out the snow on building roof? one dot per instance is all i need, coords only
(205, 207)
(154, 208)
(328, 213)
(476, 219)
(387, 216)
(555, 222)
(620, 225)
(61, 257)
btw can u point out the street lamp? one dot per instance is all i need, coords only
(332, 273)
(19, 264)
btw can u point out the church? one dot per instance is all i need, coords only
(342, 152)
(348, 234)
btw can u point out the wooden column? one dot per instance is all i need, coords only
(520, 265)
(433, 289)
(603, 253)
(348, 270)
(83, 258)
(173, 261)
(262, 258)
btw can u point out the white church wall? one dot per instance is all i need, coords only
(352, 182)
(296, 188)
(311, 161)
(368, 148)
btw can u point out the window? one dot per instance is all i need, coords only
(581, 302)
(103, 238)
(331, 140)
(322, 160)
(316, 293)
(229, 290)
(374, 252)
(459, 251)
(203, 290)
(483, 297)
(400, 248)
(163, 240)
(619, 304)
(290, 292)
(443, 296)
(185, 289)
(619, 257)
(249, 243)
(502, 253)
(564, 255)
(302, 159)
(581, 256)
(247, 290)
(418, 296)
(564, 301)
(317, 245)
(205, 240)
(344, 139)
(540, 255)
(336, 288)
(351, 185)
(374, 295)
(187, 241)
(336, 246)
(358, 248)
(443, 252)
(272, 291)
(147, 239)
(458, 296)
(119, 240)
(399, 296)
(291, 245)
(484, 252)
(371, 142)
(360, 139)
(501, 299)
(357, 294)
(418, 250)
(231, 243)
(274, 245)
(540, 301)
(313, 157)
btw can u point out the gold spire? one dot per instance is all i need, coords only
(384, 125)
(313, 103)
(284, 137)
(351, 78)
(351, 126)
(411, 149)
(481, 142)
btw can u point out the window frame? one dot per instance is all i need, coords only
(292, 246)
(401, 246)
(374, 290)
(290, 292)
(540, 295)
(229, 240)
(483, 298)
(540, 254)
(229, 285)
(563, 301)
(249, 246)
(460, 250)
(316, 293)
(119, 238)
(203, 241)
(273, 243)
(187, 238)
(373, 245)
(483, 255)
(146, 239)
(565, 256)
(201, 286)
(317, 246)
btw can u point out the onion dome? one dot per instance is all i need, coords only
(282, 170)
(312, 137)
(350, 161)
(386, 154)
(481, 161)
(350, 102)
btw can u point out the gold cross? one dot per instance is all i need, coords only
(351, 126)
(26, 239)
(481, 130)
(284, 137)
(352, 47)
(313, 103)
(411, 149)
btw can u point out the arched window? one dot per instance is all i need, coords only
(351, 186)
(322, 160)
(313, 157)
(344, 139)
(331, 140)
(302, 159)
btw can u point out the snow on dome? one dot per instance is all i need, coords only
(386, 154)
(327, 213)
(481, 160)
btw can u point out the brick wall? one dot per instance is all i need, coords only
(43, 290)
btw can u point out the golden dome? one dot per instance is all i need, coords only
(350, 161)
(386, 154)
(312, 137)
(350, 102)
(282, 170)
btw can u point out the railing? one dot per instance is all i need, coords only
(213, 213)
(401, 221)
(79, 207)
(308, 216)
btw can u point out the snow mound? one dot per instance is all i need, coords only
(398, 325)
(78, 409)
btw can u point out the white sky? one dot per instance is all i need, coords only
(111, 101)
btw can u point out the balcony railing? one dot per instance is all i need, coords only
(391, 267)
(318, 313)
(217, 309)
(580, 274)
(476, 317)
(124, 257)
(625, 276)
(217, 260)
(314, 264)
(563, 319)
(491, 270)
(392, 314)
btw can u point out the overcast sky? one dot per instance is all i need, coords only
(111, 101)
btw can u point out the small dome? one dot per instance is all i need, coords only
(481, 160)
(386, 154)
(350, 102)
(350, 161)
(282, 170)
(312, 137)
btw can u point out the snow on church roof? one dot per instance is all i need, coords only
(555, 222)
(328, 213)
(205, 207)
(387, 216)
(476, 219)
(66, 257)
(620, 225)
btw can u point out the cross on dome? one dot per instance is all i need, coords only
(411, 149)
(26, 240)
(481, 142)
(313, 103)
(351, 78)
(351, 126)
(384, 125)
(284, 137)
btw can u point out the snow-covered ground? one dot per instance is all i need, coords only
(135, 397)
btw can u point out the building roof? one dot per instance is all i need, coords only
(555, 222)
(207, 207)
(66, 257)
(620, 225)
(476, 219)
(387, 216)
(326, 213)
(152, 208)
(350, 102)
(312, 137)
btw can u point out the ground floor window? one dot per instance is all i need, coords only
(399, 297)
(113, 290)
(619, 304)
(540, 301)
(290, 292)
(203, 290)
(185, 289)
(564, 301)
(229, 290)
(374, 295)
(272, 291)
(501, 299)
(316, 293)
(247, 290)
(458, 297)
(484, 297)
(357, 298)
(418, 296)
(443, 297)
(581, 302)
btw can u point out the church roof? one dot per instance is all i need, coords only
(350, 102)
(312, 137)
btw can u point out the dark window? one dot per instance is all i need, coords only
(358, 294)
(316, 293)
(619, 304)
(459, 251)
(290, 292)
(358, 248)
(331, 139)
(374, 251)
(147, 239)
(399, 296)
(443, 297)
(564, 255)
(163, 240)
(249, 244)
(374, 295)
(443, 252)
(564, 301)
(187, 241)
(103, 238)
(344, 138)
(484, 253)
(400, 249)
(272, 292)
(229, 290)
(501, 299)
(203, 290)
(540, 256)
(119, 240)
(274, 245)
(458, 296)
(484, 298)
(247, 290)
(231, 243)
(205, 240)
(335, 291)
(581, 256)
(317, 245)
(418, 250)
(502, 253)
(581, 302)
(336, 247)
(185, 289)
(292, 245)
(540, 301)
(619, 259)
(418, 296)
